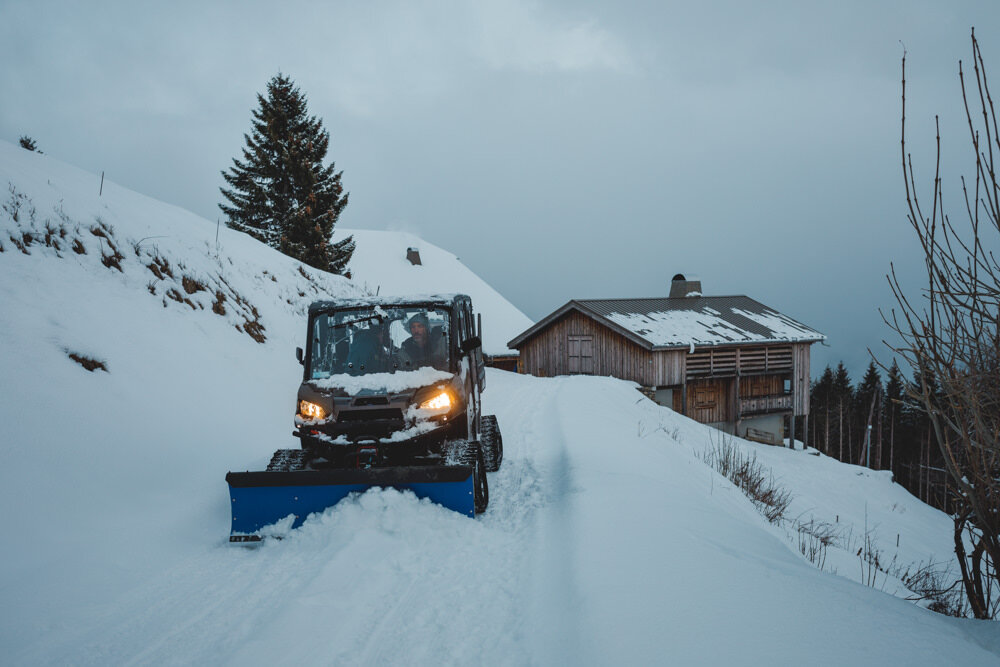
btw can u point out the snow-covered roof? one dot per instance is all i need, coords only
(660, 323)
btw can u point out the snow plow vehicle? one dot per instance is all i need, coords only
(390, 397)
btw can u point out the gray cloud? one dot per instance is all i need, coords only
(562, 150)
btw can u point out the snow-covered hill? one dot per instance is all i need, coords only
(379, 264)
(607, 540)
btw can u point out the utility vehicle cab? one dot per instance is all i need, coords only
(388, 380)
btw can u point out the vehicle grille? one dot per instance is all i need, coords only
(371, 400)
(370, 415)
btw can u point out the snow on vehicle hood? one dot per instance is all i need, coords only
(388, 382)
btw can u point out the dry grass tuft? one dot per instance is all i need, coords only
(217, 306)
(191, 285)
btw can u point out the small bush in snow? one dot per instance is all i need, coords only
(89, 363)
(217, 306)
(750, 477)
(160, 268)
(931, 584)
(16, 202)
(28, 144)
(191, 285)
(814, 540)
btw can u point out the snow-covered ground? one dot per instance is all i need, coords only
(607, 539)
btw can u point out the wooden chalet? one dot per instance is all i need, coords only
(727, 361)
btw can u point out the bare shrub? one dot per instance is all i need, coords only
(815, 538)
(930, 583)
(15, 202)
(950, 337)
(756, 482)
(78, 247)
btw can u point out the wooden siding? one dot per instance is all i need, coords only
(547, 354)
(669, 367)
(756, 386)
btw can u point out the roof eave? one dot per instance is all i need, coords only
(576, 305)
(743, 343)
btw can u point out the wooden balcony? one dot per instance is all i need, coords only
(762, 405)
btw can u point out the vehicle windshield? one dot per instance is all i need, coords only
(378, 340)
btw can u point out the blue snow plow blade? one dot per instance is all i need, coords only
(259, 499)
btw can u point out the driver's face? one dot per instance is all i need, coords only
(419, 332)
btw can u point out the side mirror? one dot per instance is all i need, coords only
(300, 355)
(471, 344)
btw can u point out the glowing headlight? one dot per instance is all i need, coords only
(440, 402)
(311, 411)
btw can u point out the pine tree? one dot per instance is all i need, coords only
(840, 401)
(894, 402)
(281, 193)
(819, 409)
(866, 405)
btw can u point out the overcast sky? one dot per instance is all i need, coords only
(561, 150)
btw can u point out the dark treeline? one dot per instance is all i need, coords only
(873, 423)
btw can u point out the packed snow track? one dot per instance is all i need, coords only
(600, 543)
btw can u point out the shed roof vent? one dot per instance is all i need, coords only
(681, 287)
(413, 255)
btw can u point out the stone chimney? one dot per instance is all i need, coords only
(413, 255)
(681, 287)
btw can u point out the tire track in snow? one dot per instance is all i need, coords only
(538, 504)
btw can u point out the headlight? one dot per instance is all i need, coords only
(441, 401)
(311, 411)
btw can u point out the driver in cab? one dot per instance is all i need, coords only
(426, 346)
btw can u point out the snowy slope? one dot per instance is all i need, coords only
(607, 539)
(379, 264)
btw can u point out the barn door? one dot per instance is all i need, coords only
(581, 354)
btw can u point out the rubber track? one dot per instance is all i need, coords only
(288, 460)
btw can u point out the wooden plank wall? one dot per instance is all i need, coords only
(670, 367)
(546, 354)
(753, 386)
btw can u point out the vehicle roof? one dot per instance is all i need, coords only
(447, 300)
